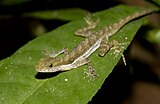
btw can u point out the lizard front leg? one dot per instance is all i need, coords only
(90, 72)
(54, 54)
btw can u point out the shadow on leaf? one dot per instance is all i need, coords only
(46, 75)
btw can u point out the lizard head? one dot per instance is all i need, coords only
(47, 64)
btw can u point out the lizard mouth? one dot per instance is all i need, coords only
(55, 69)
(48, 70)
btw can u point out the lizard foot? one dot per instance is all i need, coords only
(91, 73)
(117, 48)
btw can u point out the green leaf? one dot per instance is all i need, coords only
(21, 84)
(61, 14)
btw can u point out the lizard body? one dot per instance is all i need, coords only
(78, 56)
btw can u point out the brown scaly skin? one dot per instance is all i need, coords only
(47, 63)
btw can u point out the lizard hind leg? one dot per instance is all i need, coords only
(104, 47)
(113, 45)
(87, 31)
(117, 47)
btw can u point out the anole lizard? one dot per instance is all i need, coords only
(79, 55)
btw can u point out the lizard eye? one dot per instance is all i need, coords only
(50, 65)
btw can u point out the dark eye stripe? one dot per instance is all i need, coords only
(50, 65)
